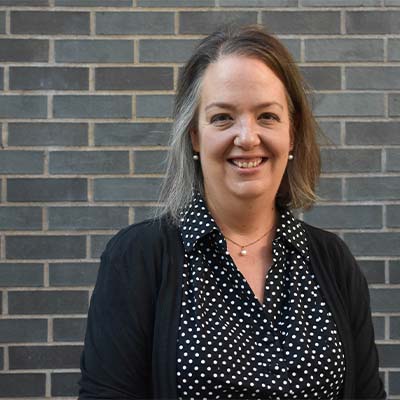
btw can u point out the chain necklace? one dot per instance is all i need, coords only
(243, 250)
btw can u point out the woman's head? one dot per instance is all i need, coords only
(296, 188)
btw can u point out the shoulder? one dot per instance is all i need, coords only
(325, 241)
(132, 241)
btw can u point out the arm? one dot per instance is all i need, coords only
(116, 361)
(368, 384)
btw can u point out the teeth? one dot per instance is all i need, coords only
(250, 164)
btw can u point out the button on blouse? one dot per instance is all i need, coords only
(231, 346)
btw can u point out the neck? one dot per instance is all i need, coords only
(243, 217)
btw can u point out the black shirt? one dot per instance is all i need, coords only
(231, 346)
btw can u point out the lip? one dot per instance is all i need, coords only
(249, 170)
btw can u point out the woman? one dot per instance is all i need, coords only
(226, 294)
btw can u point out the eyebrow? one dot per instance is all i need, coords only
(230, 106)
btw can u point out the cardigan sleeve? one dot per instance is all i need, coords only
(367, 384)
(116, 359)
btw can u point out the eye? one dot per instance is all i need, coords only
(220, 118)
(269, 117)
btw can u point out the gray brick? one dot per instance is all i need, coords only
(64, 384)
(384, 300)
(48, 302)
(89, 162)
(394, 327)
(24, 50)
(45, 357)
(2, 22)
(373, 133)
(322, 78)
(393, 160)
(93, 3)
(23, 274)
(126, 189)
(394, 271)
(351, 160)
(23, 330)
(373, 78)
(45, 247)
(166, 50)
(98, 244)
(49, 78)
(374, 244)
(330, 132)
(373, 188)
(21, 162)
(389, 355)
(393, 216)
(134, 23)
(78, 218)
(394, 49)
(143, 213)
(94, 51)
(394, 383)
(348, 104)
(343, 217)
(73, 274)
(379, 327)
(394, 105)
(91, 106)
(301, 22)
(19, 106)
(132, 134)
(30, 3)
(44, 189)
(20, 218)
(175, 3)
(369, 22)
(47, 134)
(258, 3)
(149, 162)
(329, 189)
(69, 329)
(204, 22)
(294, 47)
(374, 270)
(50, 22)
(22, 385)
(134, 78)
(154, 106)
(342, 50)
(340, 3)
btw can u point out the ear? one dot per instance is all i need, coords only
(194, 136)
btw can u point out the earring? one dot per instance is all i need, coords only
(291, 156)
(196, 157)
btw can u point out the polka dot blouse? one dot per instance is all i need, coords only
(231, 346)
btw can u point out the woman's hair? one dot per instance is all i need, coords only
(183, 174)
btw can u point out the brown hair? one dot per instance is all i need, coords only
(297, 189)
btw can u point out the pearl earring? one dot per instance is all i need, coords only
(291, 156)
(196, 157)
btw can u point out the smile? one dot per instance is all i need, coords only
(248, 163)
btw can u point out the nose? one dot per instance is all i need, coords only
(248, 135)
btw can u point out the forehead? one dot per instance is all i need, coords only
(242, 80)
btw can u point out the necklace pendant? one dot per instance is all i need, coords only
(243, 251)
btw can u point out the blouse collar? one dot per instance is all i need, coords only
(196, 223)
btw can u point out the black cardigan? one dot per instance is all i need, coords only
(130, 343)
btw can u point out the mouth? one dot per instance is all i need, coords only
(247, 163)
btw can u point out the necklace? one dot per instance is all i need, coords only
(243, 250)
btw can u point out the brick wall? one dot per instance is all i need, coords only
(86, 90)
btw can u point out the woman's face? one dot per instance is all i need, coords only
(243, 133)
